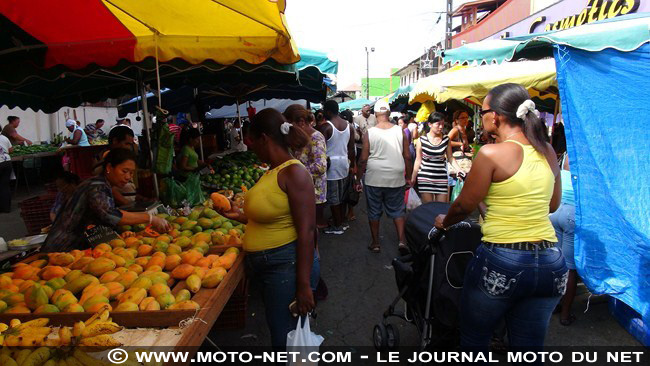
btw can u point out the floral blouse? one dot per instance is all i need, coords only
(91, 204)
(314, 158)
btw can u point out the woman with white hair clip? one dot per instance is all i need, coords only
(517, 273)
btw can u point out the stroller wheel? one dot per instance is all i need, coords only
(392, 337)
(380, 337)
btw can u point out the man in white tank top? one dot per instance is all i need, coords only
(341, 157)
(385, 159)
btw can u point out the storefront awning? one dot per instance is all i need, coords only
(354, 105)
(625, 33)
(466, 82)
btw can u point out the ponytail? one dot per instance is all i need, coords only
(512, 101)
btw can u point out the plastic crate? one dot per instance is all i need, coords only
(35, 212)
(234, 313)
(630, 320)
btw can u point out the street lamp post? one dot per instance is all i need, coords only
(372, 49)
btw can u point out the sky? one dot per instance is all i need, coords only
(400, 31)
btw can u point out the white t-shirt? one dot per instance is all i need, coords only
(236, 142)
(5, 145)
(386, 163)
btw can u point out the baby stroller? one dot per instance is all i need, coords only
(430, 280)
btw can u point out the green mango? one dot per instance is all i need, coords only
(188, 225)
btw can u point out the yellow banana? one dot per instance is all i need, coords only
(40, 322)
(36, 331)
(65, 336)
(101, 314)
(32, 341)
(3, 327)
(22, 355)
(38, 357)
(87, 360)
(2, 340)
(5, 360)
(78, 328)
(104, 340)
(14, 323)
(11, 341)
(99, 328)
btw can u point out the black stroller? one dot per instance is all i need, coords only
(430, 280)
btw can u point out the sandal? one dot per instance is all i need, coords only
(403, 249)
(567, 322)
(374, 248)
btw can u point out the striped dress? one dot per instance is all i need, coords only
(432, 177)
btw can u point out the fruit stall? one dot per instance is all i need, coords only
(179, 283)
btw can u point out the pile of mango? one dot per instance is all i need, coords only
(236, 172)
(129, 274)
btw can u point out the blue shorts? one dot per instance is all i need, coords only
(337, 191)
(380, 199)
(564, 223)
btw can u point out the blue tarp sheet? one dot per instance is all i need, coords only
(606, 113)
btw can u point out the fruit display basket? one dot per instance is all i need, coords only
(35, 212)
(211, 301)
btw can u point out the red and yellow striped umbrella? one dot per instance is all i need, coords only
(78, 33)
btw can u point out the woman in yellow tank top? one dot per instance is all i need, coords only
(517, 273)
(280, 217)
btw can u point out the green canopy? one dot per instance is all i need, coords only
(402, 92)
(354, 105)
(625, 33)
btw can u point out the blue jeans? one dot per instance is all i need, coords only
(275, 269)
(519, 285)
(564, 223)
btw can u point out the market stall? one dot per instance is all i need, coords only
(599, 68)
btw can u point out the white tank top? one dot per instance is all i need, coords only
(386, 163)
(337, 151)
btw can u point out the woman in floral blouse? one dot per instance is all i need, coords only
(313, 156)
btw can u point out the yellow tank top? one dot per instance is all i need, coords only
(266, 205)
(518, 207)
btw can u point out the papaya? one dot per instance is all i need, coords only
(188, 225)
(72, 275)
(81, 263)
(202, 247)
(227, 260)
(161, 246)
(97, 307)
(204, 262)
(40, 263)
(149, 303)
(65, 300)
(100, 266)
(185, 305)
(142, 261)
(199, 271)
(14, 299)
(61, 259)
(182, 271)
(114, 289)
(136, 268)
(80, 283)
(142, 282)
(158, 278)
(24, 272)
(47, 308)
(220, 202)
(232, 250)
(183, 295)
(103, 247)
(144, 250)
(191, 256)
(159, 289)
(193, 283)
(172, 262)
(119, 261)
(18, 309)
(48, 290)
(195, 214)
(109, 276)
(35, 297)
(166, 300)
(205, 223)
(210, 213)
(174, 249)
(56, 283)
(93, 291)
(212, 280)
(73, 308)
(58, 293)
(156, 261)
(25, 285)
(134, 295)
(3, 306)
(183, 242)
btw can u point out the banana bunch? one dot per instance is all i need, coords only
(33, 333)
(96, 331)
(46, 356)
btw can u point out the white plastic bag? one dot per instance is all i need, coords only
(303, 340)
(412, 200)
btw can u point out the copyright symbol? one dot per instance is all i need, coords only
(118, 356)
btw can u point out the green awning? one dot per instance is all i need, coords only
(354, 105)
(625, 33)
(402, 92)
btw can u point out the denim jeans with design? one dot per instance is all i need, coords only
(275, 269)
(522, 286)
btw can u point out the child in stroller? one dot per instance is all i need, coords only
(430, 279)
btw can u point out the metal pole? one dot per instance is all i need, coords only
(367, 74)
(196, 93)
(147, 126)
(448, 27)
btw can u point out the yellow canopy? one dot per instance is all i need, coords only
(476, 81)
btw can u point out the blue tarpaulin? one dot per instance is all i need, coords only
(606, 113)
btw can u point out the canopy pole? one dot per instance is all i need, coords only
(198, 112)
(157, 75)
(147, 126)
(241, 133)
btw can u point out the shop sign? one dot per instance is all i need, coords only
(595, 10)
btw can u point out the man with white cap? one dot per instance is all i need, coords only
(385, 158)
(78, 136)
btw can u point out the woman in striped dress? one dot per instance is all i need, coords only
(432, 152)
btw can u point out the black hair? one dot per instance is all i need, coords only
(68, 178)
(331, 106)
(119, 133)
(189, 134)
(319, 115)
(436, 117)
(11, 118)
(347, 115)
(99, 120)
(296, 112)
(269, 121)
(116, 157)
(505, 99)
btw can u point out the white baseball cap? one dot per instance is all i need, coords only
(382, 106)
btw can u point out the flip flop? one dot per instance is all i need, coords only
(567, 322)
(374, 248)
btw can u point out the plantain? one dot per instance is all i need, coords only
(3, 327)
(65, 336)
(38, 357)
(5, 360)
(102, 315)
(32, 340)
(14, 323)
(11, 341)
(87, 360)
(102, 341)
(99, 328)
(22, 355)
(78, 328)
(40, 322)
